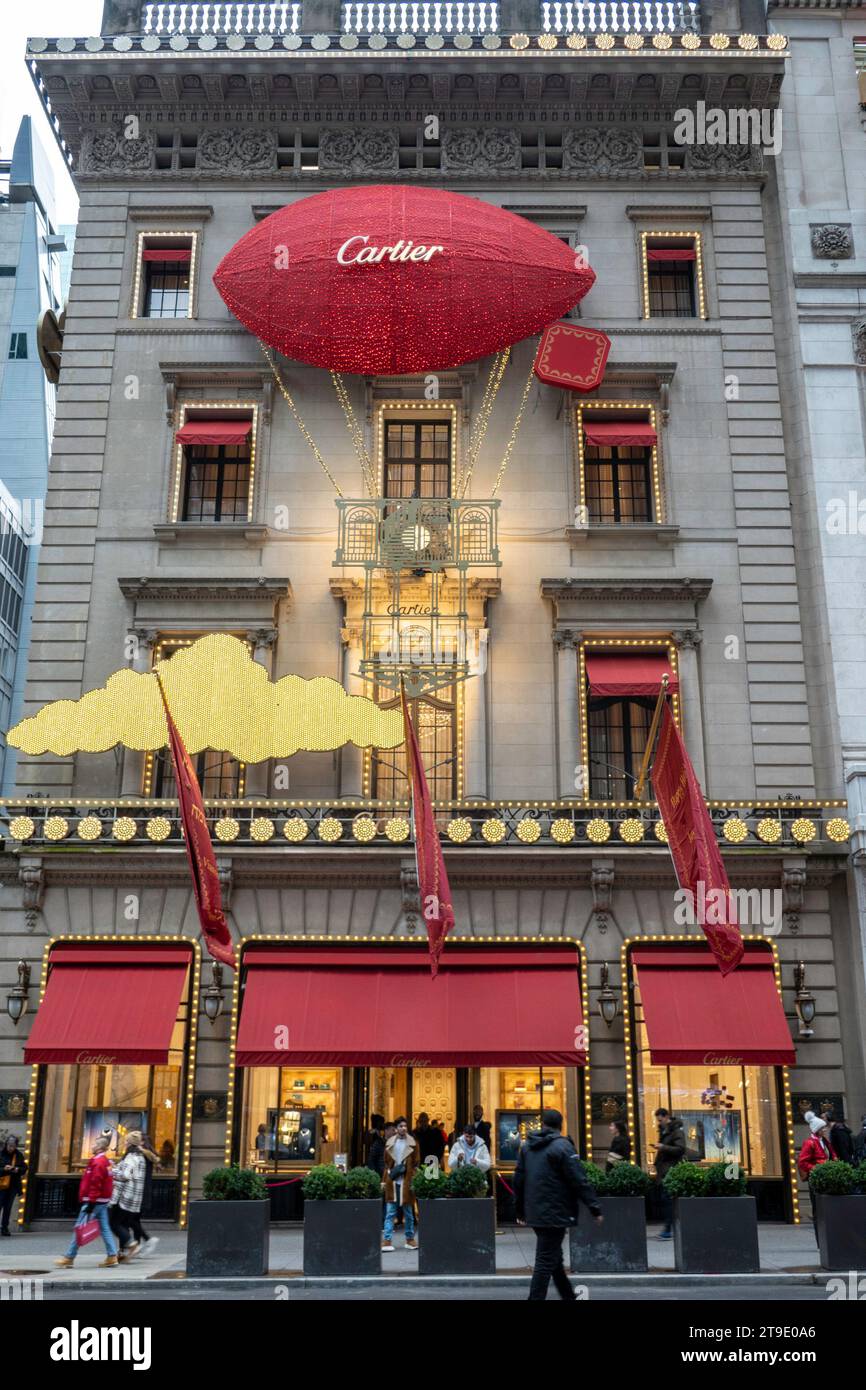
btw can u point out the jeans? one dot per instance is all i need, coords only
(7, 1197)
(100, 1214)
(666, 1205)
(549, 1265)
(408, 1217)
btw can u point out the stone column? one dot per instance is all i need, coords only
(475, 722)
(565, 644)
(687, 643)
(259, 781)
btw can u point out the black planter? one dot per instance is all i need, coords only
(457, 1235)
(841, 1231)
(618, 1246)
(343, 1237)
(716, 1235)
(227, 1238)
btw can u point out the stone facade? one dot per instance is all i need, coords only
(220, 146)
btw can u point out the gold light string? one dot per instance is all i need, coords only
(509, 449)
(479, 428)
(356, 432)
(298, 421)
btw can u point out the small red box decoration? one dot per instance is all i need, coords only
(572, 356)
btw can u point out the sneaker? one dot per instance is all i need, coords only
(412, 1244)
(666, 1235)
(108, 1263)
(64, 1262)
(150, 1245)
(132, 1250)
(386, 1245)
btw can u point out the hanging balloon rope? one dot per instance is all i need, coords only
(298, 421)
(515, 430)
(479, 428)
(367, 472)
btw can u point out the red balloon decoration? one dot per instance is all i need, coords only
(572, 356)
(392, 279)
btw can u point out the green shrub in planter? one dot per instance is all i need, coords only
(686, 1180)
(466, 1181)
(325, 1183)
(363, 1183)
(720, 1184)
(425, 1186)
(596, 1177)
(234, 1184)
(832, 1179)
(626, 1180)
(860, 1175)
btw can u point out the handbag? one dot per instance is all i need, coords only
(5, 1182)
(86, 1232)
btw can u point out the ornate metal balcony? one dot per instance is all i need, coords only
(421, 19)
(611, 17)
(417, 534)
(195, 20)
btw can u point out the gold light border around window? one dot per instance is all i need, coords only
(163, 648)
(646, 407)
(699, 268)
(460, 719)
(416, 410)
(629, 1029)
(135, 308)
(661, 642)
(388, 941)
(189, 1089)
(177, 449)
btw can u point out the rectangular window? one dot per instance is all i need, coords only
(164, 276)
(219, 774)
(619, 482)
(290, 1116)
(18, 347)
(7, 272)
(672, 272)
(435, 721)
(417, 458)
(617, 739)
(619, 684)
(217, 481)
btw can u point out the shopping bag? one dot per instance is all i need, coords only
(86, 1232)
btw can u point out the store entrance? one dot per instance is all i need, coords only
(442, 1093)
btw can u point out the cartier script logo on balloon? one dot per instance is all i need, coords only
(352, 254)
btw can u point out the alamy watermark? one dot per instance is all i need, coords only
(716, 125)
(760, 908)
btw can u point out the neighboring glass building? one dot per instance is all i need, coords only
(35, 267)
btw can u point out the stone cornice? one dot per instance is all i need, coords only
(669, 212)
(627, 590)
(234, 590)
(186, 212)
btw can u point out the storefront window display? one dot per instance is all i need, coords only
(513, 1100)
(291, 1115)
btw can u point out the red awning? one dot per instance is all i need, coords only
(171, 253)
(372, 1006)
(609, 433)
(695, 1016)
(109, 1004)
(671, 253)
(215, 432)
(620, 674)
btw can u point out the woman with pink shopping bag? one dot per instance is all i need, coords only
(94, 1193)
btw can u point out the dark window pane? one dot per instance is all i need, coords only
(217, 486)
(436, 726)
(166, 289)
(618, 732)
(618, 485)
(418, 459)
(672, 289)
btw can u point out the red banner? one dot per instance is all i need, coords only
(433, 887)
(692, 840)
(199, 850)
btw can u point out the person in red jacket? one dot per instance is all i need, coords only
(816, 1149)
(94, 1193)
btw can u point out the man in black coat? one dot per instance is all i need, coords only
(549, 1184)
(670, 1150)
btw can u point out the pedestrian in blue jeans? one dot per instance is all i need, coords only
(402, 1157)
(94, 1194)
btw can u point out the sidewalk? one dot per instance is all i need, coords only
(787, 1251)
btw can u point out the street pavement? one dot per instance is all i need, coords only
(789, 1265)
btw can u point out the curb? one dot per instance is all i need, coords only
(397, 1283)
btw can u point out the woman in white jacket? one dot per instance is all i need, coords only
(469, 1149)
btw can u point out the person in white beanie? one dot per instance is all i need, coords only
(816, 1149)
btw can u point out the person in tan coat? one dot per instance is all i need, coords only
(402, 1160)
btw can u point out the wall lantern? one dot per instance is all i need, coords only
(804, 1003)
(212, 997)
(607, 1001)
(16, 1000)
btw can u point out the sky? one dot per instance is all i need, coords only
(18, 96)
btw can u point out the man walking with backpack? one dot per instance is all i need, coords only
(549, 1185)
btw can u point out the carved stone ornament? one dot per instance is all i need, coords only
(596, 152)
(832, 241)
(359, 151)
(480, 150)
(725, 159)
(238, 151)
(793, 896)
(602, 891)
(31, 876)
(409, 895)
(109, 152)
(858, 331)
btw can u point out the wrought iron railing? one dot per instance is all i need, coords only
(620, 17)
(426, 17)
(40, 826)
(417, 533)
(220, 19)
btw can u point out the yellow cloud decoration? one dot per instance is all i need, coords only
(219, 698)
